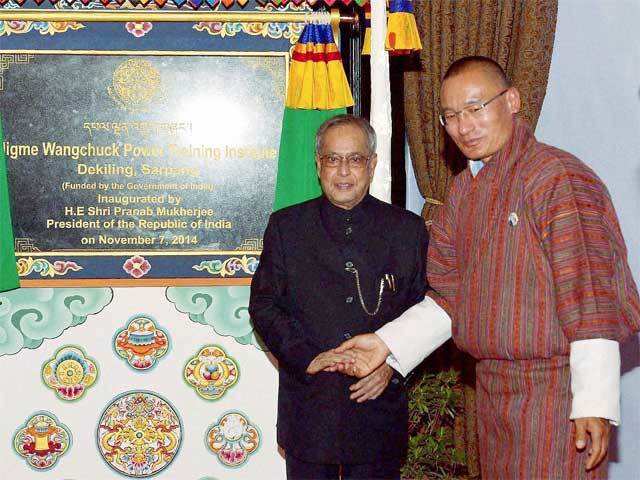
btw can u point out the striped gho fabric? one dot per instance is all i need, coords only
(527, 257)
(523, 422)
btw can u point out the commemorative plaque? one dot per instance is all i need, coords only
(148, 167)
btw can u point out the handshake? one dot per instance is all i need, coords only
(362, 356)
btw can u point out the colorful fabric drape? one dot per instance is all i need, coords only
(366, 43)
(402, 32)
(317, 79)
(8, 271)
(402, 37)
(317, 90)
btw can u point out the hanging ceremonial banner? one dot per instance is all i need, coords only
(147, 168)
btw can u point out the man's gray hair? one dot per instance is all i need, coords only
(347, 119)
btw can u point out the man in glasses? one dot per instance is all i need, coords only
(332, 268)
(529, 269)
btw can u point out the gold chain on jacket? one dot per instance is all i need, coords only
(360, 297)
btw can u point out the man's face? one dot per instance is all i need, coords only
(481, 134)
(344, 184)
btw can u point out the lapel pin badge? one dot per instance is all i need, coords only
(513, 219)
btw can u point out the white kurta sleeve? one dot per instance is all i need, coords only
(595, 379)
(415, 334)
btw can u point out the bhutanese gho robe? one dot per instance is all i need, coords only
(527, 257)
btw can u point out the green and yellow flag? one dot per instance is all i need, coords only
(8, 271)
(317, 90)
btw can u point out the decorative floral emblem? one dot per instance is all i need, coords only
(137, 266)
(233, 439)
(42, 440)
(139, 434)
(136, 83)
(138, 29)
(69, 373)
(141, 343)
(211, 372)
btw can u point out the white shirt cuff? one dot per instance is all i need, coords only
(595, 379)
(415, 334)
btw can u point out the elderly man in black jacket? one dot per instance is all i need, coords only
(334, 267)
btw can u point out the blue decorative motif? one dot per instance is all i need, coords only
(223, 308)
(30, 315)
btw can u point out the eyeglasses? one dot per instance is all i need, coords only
(355, 161)
(448, 118)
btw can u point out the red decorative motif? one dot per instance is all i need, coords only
(63, 267)
(233, 439)
(138, 29)
(42, 440)
(137, 266)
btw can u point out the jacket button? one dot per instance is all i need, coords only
(348, 231)
(349, 299)
(347, 335)
(395, 381)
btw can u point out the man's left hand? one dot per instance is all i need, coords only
(598, 429)
(371, 386)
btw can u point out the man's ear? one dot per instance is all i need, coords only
(513, 100)
(373, 161)
(318, 165)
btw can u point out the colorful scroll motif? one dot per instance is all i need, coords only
(228, 267)
(45, 268)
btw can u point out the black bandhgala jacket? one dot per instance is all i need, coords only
(304, 302)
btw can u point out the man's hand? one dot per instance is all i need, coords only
(371, 386)
(327, 360)
(368, 352)
(598, 429)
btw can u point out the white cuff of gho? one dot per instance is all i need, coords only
(415, 334)
(595, 379)
(393, 363)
